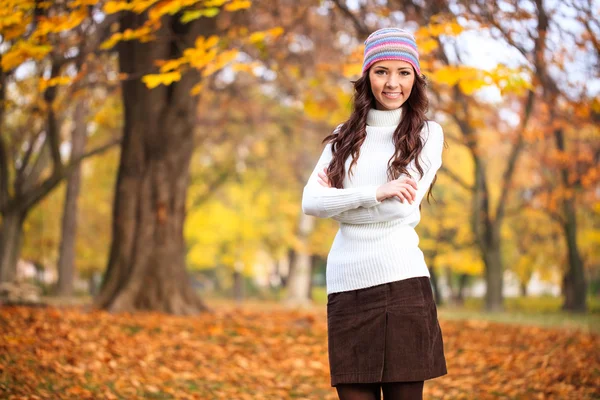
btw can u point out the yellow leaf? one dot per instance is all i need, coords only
(350, 70)
(154, 80)
(21, 52)
(81, 3)
(447, 75)
(238, 5)
(115, 6)
(212, 41)
(59, 80)
(111, 41)
(427, 46)
(214, 3)
(165, 7)
(197, 89)
(257, 37)
(220, 61)
(170, 65)
(275, 32)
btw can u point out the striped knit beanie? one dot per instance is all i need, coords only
(391, 44)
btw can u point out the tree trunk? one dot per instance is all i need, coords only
(575, 285)
(238, 283)
(523, 288)
(460, 292)
(574, 282)
(291, 254)
(11, 239)
(493, 278)
(299, 280)
(436, 289)
(66, 258)
(146, 268)
(453, 296)
(313, 263)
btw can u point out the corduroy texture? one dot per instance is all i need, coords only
(391, 44)
(377, 242)
(385, 333)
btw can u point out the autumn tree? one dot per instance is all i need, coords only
(39, 47)
(563, 106)
(146, 268)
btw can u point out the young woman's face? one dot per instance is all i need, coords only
(391, 83)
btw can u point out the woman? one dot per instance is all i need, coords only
(383, 332)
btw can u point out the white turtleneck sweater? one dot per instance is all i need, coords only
(376, 242)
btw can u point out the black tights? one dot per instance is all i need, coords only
(372, 391)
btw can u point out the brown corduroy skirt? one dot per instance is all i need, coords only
(385, 333)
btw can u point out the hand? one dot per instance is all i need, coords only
(403, 188)
(323, 179)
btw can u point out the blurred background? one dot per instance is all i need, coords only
(153, 153)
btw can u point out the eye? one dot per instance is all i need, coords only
(380, 72)
(405, 73)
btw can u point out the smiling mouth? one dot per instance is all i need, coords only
(392, 95)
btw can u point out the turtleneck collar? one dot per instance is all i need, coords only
(384, 117)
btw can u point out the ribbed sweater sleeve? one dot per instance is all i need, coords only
(392, 208)
(325, 202)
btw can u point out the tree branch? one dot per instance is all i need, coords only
(32, 197)
(514, 155)
(456, 179)
(3, 154)
(360, 27)
(52, 133)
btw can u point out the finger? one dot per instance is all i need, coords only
(322, 183)
(410, 190)
(413, 192)
(412, 183)
(406, 195)
(401, 197)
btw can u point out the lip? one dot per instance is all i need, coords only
(392, 95)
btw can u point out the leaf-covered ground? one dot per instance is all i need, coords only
(65, 353)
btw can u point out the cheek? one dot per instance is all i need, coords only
(376, 84)
(408, 86)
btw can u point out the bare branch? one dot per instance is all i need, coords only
(360, 27)
(514, 155)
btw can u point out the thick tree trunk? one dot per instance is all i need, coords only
(299, 280)
(574, 282)
(146, 268)
(11, 239)
(66, 258)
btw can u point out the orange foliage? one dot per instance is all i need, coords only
(276, 354)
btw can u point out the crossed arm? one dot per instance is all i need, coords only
(360, 205)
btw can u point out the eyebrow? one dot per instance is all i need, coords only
(401, 68)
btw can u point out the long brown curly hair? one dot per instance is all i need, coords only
(351, 134)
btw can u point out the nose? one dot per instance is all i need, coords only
(392, 81)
